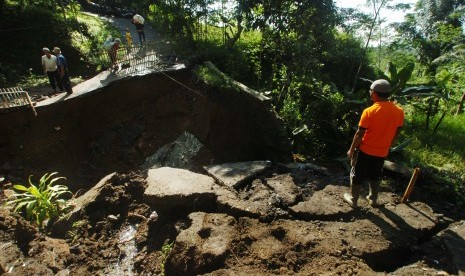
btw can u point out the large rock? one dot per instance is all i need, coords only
(326, 204)
(203, 246)
(171, 189)
(234, 175)
(80, 203)
(285, 188)
(256, 201)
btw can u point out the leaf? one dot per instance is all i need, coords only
(34, 191)
(20, 187)
(393, 73)
(418, 89)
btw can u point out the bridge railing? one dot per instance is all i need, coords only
(15, 98)
(139, 58)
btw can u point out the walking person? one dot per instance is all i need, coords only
(63, 70)
(378, 128)
(50, 66)
(138, 21)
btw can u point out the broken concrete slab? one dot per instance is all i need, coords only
(305, 166)
(170, 189)
(257, 201)
(80, 203)
(229, 202)
(284, 187)
(326, 204)
(235, 174)
(203, 246)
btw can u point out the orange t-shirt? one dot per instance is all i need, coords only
(381, 121)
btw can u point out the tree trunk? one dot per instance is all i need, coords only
(459, 108)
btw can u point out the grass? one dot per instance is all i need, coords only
(441, 154)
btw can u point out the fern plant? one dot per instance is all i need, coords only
(40, 202)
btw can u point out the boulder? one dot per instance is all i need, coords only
(234, 175)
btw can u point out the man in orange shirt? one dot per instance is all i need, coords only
(378, 128)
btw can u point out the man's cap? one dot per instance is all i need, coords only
(45, 49)
(118, 40)
(381, 86)
(56, 50)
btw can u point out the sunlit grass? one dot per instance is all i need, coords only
(443, 152)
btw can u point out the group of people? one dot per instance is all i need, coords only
(112, 46)
(55, 67)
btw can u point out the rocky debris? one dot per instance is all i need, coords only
(178, 154)
(326, 204)
(285, 188)
(203, 246)
(446, 250)
(234, 175)
(80, 203)
(268, 225)
(170, 190)
(306, 166)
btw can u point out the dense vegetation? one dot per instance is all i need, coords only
(313, 60)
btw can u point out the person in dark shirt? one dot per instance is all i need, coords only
(63, 70)
(138, 21)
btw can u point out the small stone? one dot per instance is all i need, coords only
(153, 216)
(112, 217)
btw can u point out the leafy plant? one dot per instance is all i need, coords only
(165, 251)
(40, 202)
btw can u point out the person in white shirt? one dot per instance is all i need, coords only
(50, 66)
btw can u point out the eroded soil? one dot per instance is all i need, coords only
(174, 242)
(288, 220)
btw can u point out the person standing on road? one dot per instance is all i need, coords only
(63, 70)
(128, 40)
(378, 128)
(50, 66)
(138, 21)
(113, 53)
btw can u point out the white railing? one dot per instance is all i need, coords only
(15, 97)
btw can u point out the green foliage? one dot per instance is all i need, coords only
(216, 78)
(78, 35)
(443, 154)
(165, 251)
(40, 202)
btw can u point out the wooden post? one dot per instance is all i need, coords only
(409, 189)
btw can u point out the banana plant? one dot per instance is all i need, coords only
(40, 202)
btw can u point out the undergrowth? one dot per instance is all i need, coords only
(441, 155)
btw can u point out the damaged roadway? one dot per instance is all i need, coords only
(214, 167)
